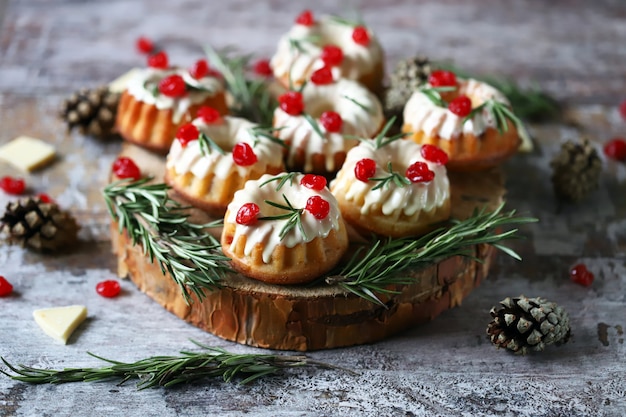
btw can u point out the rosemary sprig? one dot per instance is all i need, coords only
(500, 112)
(168, 371)
(373, 271)
(264, 132)
(297, 43)
(347, 22)
(207, 144)
(292, 215)
(282, 180)
(434, 94)
(358, 103)
(192, 257)
(314, 124)
(393, 177)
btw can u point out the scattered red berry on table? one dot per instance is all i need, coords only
(441, 78)
(262, 67)
(305, 18)
(322, 76)
(124, 167)
(209, 115)
(200, 69)
(109, 288)
(158, 60)
(44, 198)
(318, 207)
(247, 214)
(331, 121)
(5, 287)
(616, 149)
(419, 172)
(365, 169)
(360, 36)
(434, 154)
(581, 275)
(314, 182)
(461, 106)
(244, 155)
(291, 103)
(14, 186)
(173, 86)
(622, 109)
(332, 55)
(144, 45)
(186, 133)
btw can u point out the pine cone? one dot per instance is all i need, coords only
(38, 225)
(576, 170)
(408, 75)
(525, 324)
(92, 112)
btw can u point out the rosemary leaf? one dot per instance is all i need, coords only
(292, 215)
(282, 180)
(347, 22)
(359, 104)
(398, 179)
(207, 144)
(434, 94)
(314, 124)
(267, 133)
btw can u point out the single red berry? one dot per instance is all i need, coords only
(318, 207)
(186, 133)
(461, 106)
(109, 288)
(365, 169)
(14, 186)
(5, 287)
(200, 69)
(172, 86)
(314, 182)
(616, 149)
(622, 109)
(305, 18)
(291, 103)
(262, 67)
(361, 36)
(442, 78)
(581, 275)
(434, 154)
(322, 76)
(331, 121)
(209, 115)
(419, 172)
(44, 198)
(158, 60)
(332, 55)
(247, 214)
(124, 167)
(243, 154)
(144, 45)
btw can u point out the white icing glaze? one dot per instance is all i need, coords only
(391, 199)
(357, 121)
(422, 115)
(358, 60)
(266, 232)
(151, 76)
(226, 135)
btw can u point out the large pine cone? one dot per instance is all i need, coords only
(408, 75)
(528, 324)
(93, 112)
(576, 170)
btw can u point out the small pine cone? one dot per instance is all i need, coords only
(408, 75)
(40, 226)
(528, 324)
(92, 112)
(576, 170)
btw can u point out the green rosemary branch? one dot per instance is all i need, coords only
(282, 180)
(259, 132)
(383, 263)
(292, 215)
(398, 179)
(168, 371)
(434, 94)
(347, 22)
(358, 103)
(501, 113)
(207, 144)
(192, 257)
(314, 124)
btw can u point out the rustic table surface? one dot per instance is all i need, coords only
(574, 50)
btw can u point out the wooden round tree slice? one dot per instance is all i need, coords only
(311, 318)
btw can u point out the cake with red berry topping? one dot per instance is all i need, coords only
(284, 229)
(349, 49)
(213, 156)
(159, 99)
(393, 187)
(324, 120)
(470, 120)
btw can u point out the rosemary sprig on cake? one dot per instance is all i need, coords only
(185, 250)
(501, 114)
(394, 177)
(168, 371)
(292, 215)
(207, 145)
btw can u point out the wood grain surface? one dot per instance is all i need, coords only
(572, 49)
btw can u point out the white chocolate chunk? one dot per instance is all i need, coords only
(119, 84)
(60, 322)
(27, 153)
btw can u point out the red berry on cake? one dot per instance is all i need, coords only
(244, 155)
(318, 207)
(247, 214)
(622, 109)
(616, 149)
(124, 167)
(434, 154)
(44, 198)
(186, 133)
(158, 60)
(305, 18)
(200, 69)
(581, 275)
(109, 288)
(360, 36)
(461, 106)
(365, 169)
(144, 45)
(262, 67)
(209, 115)
(291, 103)
(442, 78)
(314, 182)
(419, 172)
(332, 55)
(331, 121)
(5, 287)
(14, 186)
(173, 86)
(322, 76)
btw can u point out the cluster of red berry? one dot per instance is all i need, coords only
(17, 186)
